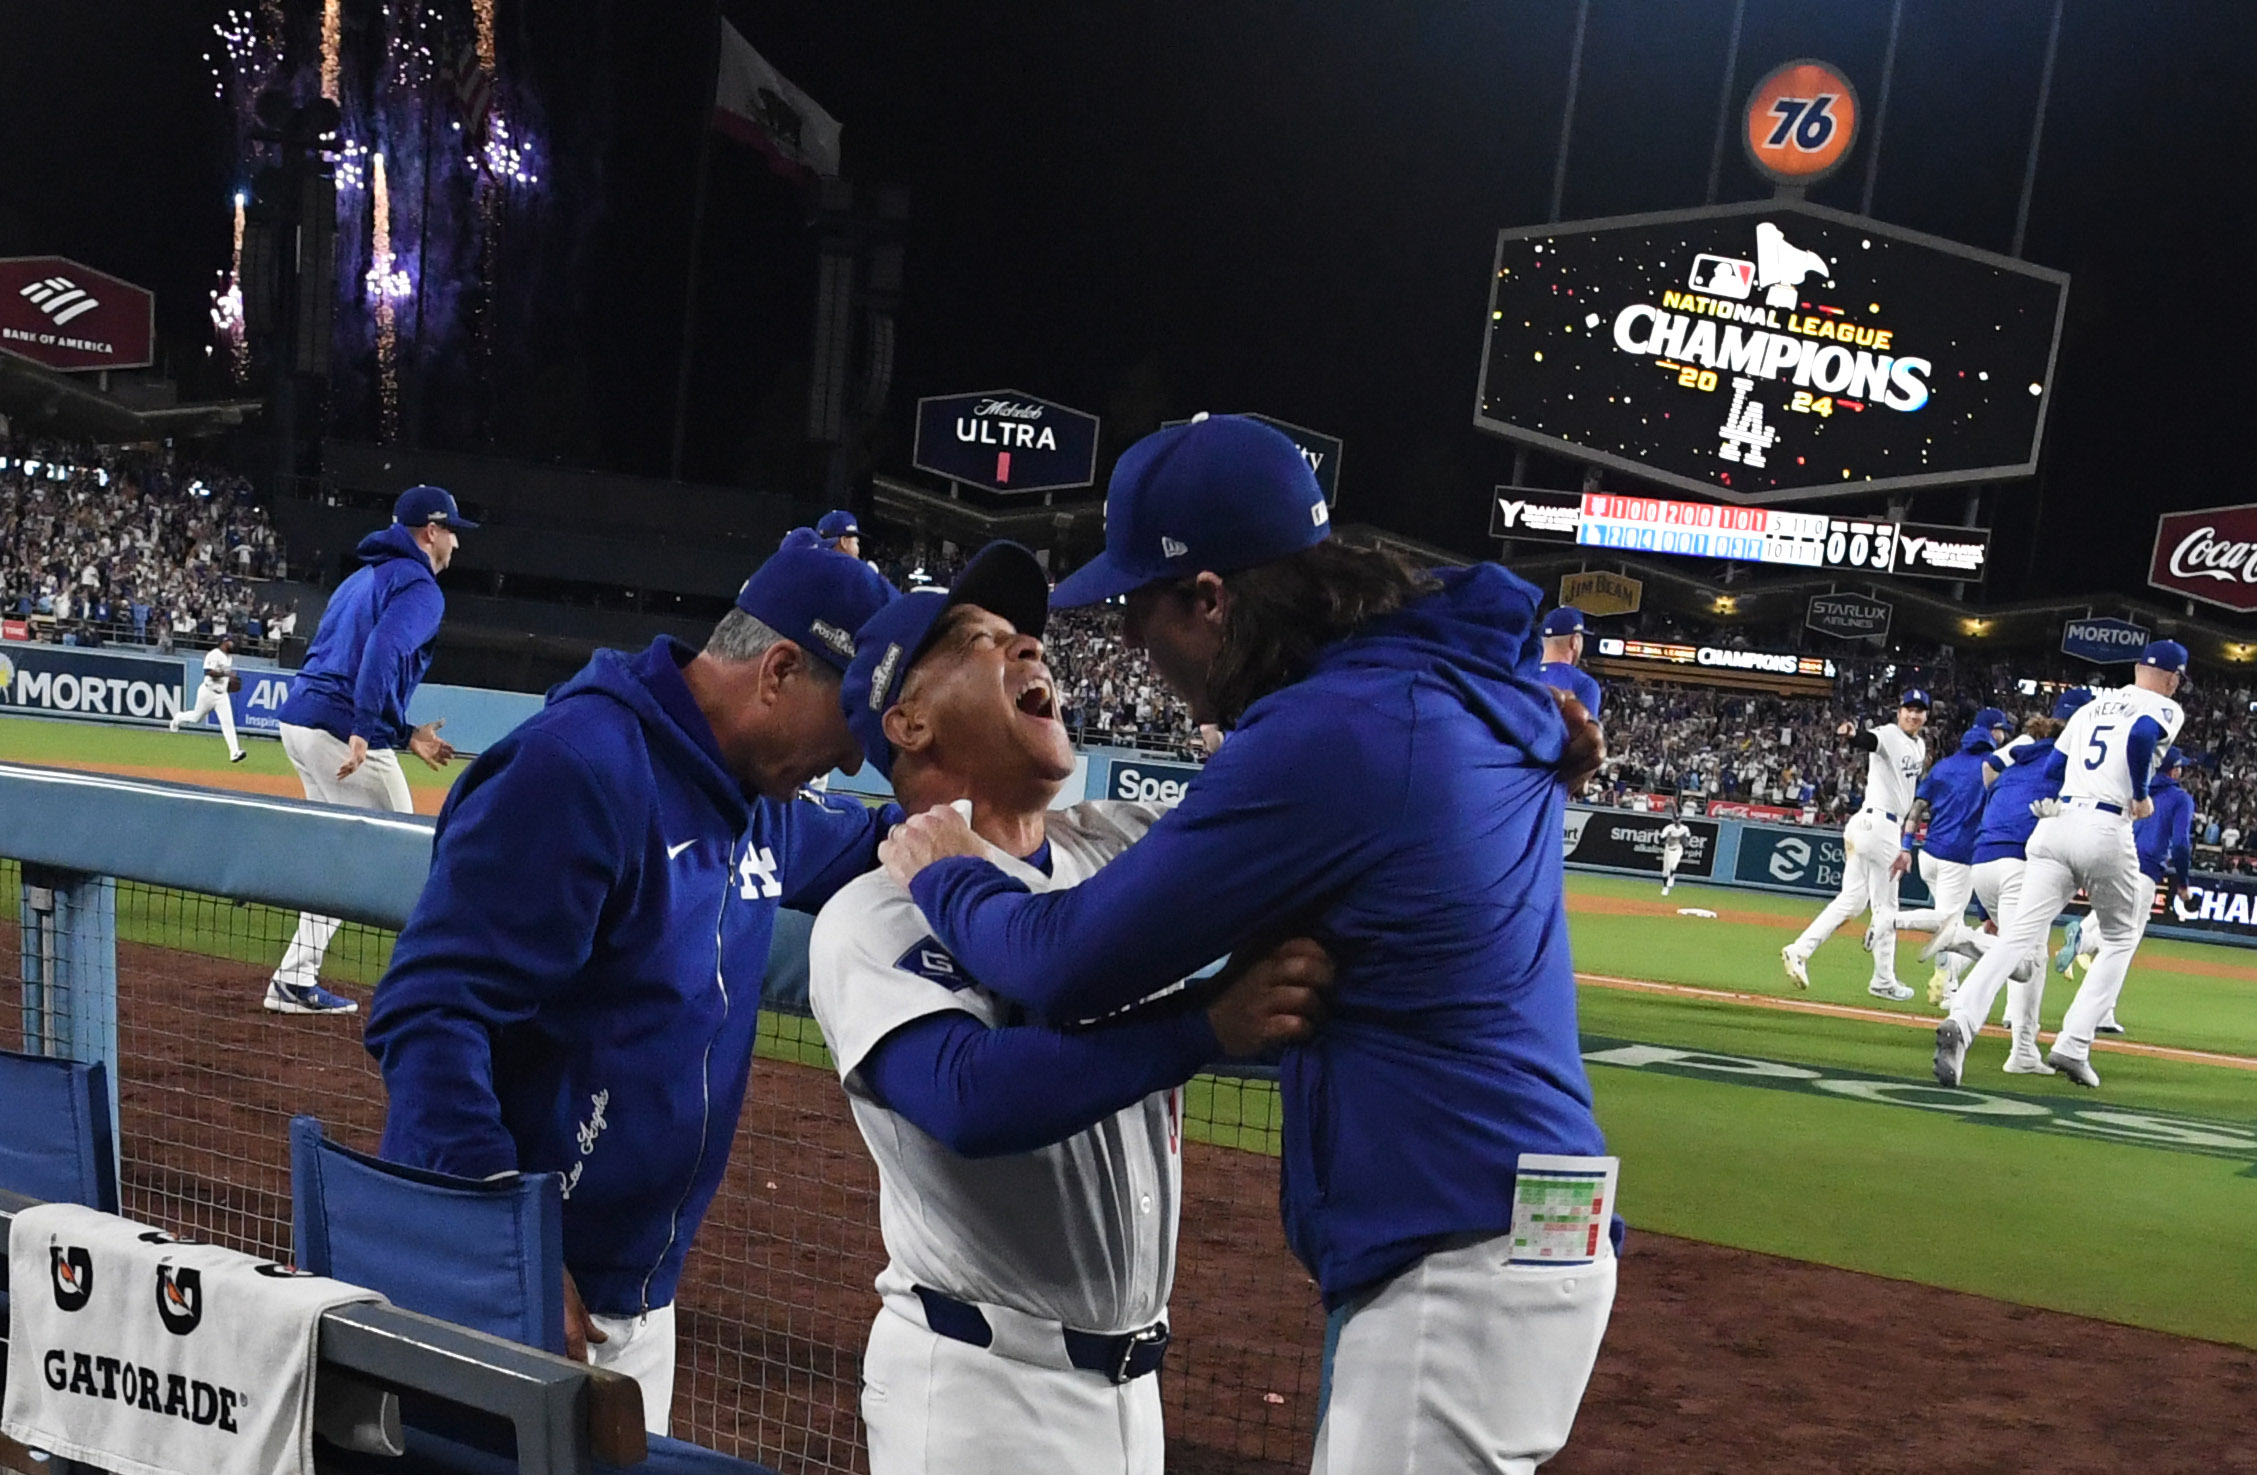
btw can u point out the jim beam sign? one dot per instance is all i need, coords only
(1006, 441)
(1851, 616)
(1598, 593)
(2210, 555)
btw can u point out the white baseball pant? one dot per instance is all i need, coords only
(2081, 846)
(376, 784)
(1465, 1364)
(934, 1404)
(642, 1348)
(210, 698)
(1671, 856)
(1870, 843)
(1951, 884)
(1998, 884)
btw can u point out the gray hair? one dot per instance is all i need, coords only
(740, 637)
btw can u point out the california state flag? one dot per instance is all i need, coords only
(756, 104)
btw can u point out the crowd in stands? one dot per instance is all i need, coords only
(113, 544)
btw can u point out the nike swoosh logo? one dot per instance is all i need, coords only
(674, 850)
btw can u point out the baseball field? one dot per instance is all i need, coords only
(1827, 1248)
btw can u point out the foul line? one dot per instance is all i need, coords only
(1891, 1016)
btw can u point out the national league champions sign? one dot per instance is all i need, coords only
(1006, 441)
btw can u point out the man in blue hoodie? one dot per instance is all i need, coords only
(577, 989)
(2165, 841)
(1394, 787)
(347, 709)
(1951, 798)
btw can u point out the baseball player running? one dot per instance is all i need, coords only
(1443, 1175)
(347, 708)
(1028, 1179)
(1673, 838)
(212, 693)
(577, 990)
(1951, 799)
(1563, 647)
(2165, 840)
(1873, 847)
(2106, 757)
(2022, 789)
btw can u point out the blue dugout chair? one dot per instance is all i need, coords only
(56, 1140)
(489, 1256)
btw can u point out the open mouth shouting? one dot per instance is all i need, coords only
(1038, 700)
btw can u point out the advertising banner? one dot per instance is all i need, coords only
(264, 691)
(1741, 809)
(1006, 441)
(2222, 904)
(1851, 616)
(2210, 555)
(1770, 351)
(66, 316)
(15, 630)
(1809, 860)
(1715, 657)
(1148, 781)
(57, 681)
(2103, 642)
(1799, 123)
(1601, 593)
(1526, 512)
(1632, 842)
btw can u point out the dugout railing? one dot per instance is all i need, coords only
(148, 917)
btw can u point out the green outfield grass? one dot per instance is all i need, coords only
(92, 744)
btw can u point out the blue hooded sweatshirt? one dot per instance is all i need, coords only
(577, 989)
(1955, 792)
(372, 646)
(1400, 804)
(2007, 821)
(2166, 837)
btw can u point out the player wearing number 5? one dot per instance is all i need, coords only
(212, 693)
(2106, 760)
(1873, 847)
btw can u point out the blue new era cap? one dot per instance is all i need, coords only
(2065, 707)
(2165, 655)
(1566, 620)
(1994, 717)
(2172, 758)
(801, 538)
(421, 506)
(1914, 696)
(839, 524)
(815, 598)
(1002, 578)
(1219, 494)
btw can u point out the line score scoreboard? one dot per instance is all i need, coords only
(1809, 540)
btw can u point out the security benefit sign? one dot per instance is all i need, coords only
(2210, 555)
(1769, 351)
(1007, 441)
(1850, 616)
(2103, 642)
(55, 312)
(1623, 840)
(57, 681)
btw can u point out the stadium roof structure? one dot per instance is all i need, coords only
(39, 399)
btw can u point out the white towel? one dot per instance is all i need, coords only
(142, 1354)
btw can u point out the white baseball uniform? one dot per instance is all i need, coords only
(1078, 1236)
(1673, 838)
(377, 784)
(1998, 886)
(1871, 842)
(211, 696)
(1950, 883)
(2088, 844)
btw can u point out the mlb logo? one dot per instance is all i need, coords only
(1722, 276)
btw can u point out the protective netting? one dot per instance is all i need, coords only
(776, 1301)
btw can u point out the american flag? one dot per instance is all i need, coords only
(474, 89)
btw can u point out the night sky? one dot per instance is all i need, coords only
(1144, 209)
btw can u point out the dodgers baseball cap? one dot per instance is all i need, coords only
(801, 538)
(1002, 578)
(1218, 494)
(1914, 696)
(420, 506)
(2165, 655)
(1566, 620)
(2172, 758)
(816, 599)
(1994, 717)
(839, 524)
(2069, 701)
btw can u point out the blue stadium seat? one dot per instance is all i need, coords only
(489, 1256)
(55, 1133)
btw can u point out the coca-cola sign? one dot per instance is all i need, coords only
(2210, 555)
(56, 312)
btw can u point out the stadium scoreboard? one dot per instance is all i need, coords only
(1809, 540)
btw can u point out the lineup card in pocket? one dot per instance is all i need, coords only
(1562, 1208)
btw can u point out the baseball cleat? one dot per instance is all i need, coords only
(1797, 967)
(2080, 1071)
(1951, 1052)
(2026, 970)
(2065, 956)
(305, 998)
(2025, 1063)
(1938, 982)
(238, 757)
(1889, 989)
(1945, 940)
(2109, 1026)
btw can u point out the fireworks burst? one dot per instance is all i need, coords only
(482, 11)
(227, 305)
(332, 48)
(506, 160)
(386, 284)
